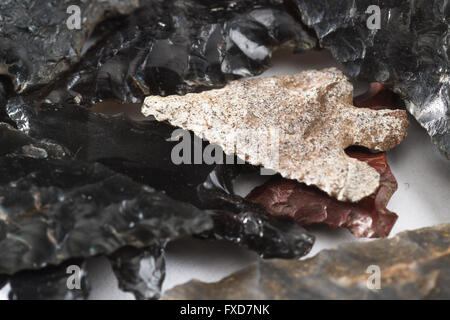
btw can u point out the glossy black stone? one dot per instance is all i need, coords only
(409, 52)
(247, 224)
(3, 98)
(60, 198)
(37, 46)
(412, 265)
(270, 238)
(12, 139)
(180, 46)
(3, 94)
(55, 209)
(50, 283)
(5, 91)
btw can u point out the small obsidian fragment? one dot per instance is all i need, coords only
(307, 205)
(256, 231)
(36, 43)
(59, 202)
(140, 271)
(179, 46)
(67, 281)
(297, 125)
(3, 99)
(412, 265)
(377, 97)
(247, 224)
(408, 51)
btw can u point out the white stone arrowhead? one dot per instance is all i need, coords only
(297, 125)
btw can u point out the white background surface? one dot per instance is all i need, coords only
(422, 199)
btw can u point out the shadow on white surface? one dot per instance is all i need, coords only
(423, 176)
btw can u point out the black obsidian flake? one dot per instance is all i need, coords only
(412, 265)
(51, 283)
(142, 150)
(408, 51)
(139, 149)
(179, 46)
(36, 45)
(247, 224)
(76, 184)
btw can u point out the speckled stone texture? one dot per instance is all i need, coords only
(297, 125)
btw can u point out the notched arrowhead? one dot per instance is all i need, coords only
(297, 125)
